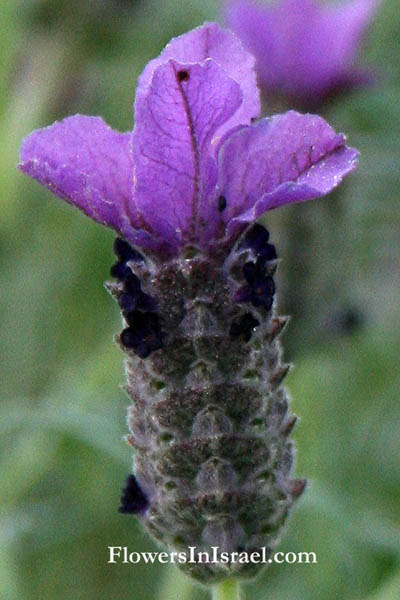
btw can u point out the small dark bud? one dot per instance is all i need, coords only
(125, 252)
(136, 301)
(127, 302)
(256, 237)
(257, 240)
(120, 270)
(268, 252)
(263, 290)
(250, 272)
(132, 283)
(143, 335)
(261, 285)
(146, 302)
(133, 500)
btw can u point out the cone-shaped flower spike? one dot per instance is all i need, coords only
(194, 280)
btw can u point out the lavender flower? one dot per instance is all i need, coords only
(304, 49)
(194, 280)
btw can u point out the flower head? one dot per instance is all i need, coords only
(209, 416)
(304, 49)
(197, 169)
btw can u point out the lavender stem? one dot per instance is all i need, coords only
(229, 589)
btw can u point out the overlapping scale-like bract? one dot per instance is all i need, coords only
(209, 416)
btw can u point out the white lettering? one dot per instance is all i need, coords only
(112, 553)
(150, 556)
(134, 557)
(254, 556)
(161, 556)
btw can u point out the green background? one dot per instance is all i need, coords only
(62, 455)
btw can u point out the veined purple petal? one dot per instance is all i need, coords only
(194, 169)
(175, 172)
(224, 48)
(282, 160)
(86, 163)
(303, 48)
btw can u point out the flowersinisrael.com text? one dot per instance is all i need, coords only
(122, 554)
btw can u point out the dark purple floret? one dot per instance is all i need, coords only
(133, 499)
(144, 334)
(120, 270)
(257, 240)
(129, 302)
(132, 283)
(260, 287)
(262, 293)
(146, 302)
(268, 252)
(132, 297)
(256, 237)
(252, 271)
(243, 327)
(125, 252)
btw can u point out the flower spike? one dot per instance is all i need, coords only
(194, 279)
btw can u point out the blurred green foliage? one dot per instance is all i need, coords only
(62, 457)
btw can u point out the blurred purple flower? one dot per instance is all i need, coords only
(304, 49)
(196, 169)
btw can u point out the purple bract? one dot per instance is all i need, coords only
(197, 169)
(304, 49)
